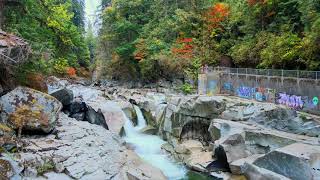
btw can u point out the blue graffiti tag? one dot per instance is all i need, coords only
(246, 92)
(227, 86)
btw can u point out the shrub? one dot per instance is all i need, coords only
(187, 88)
(60, 66)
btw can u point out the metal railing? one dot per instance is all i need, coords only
(269, 72)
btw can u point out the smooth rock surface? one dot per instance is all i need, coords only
(296, 161)
(85, 151)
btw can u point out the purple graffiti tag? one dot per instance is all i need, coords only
(292, 101)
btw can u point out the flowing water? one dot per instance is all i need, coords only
(148, 147)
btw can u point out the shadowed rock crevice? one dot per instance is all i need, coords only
(196, 130)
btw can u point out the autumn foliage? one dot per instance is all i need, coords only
(184, 49)
(141, 52)
(217, 14)
(71, 71)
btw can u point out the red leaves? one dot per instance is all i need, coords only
(217, 14)
(71, 71)
(185, 49)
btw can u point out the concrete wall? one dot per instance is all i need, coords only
(297, 93)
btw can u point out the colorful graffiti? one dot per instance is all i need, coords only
(212, 87)
(228, 86)
(292, 101)
(246, 92)
(262, 94)
(310, 103)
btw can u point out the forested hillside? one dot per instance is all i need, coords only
(54, 29)
(152, 39)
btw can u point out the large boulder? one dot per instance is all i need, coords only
(296, 161)
(272, 116)
(97, 118)
(29, 109)
(65, 96)
(189, 117)
(240, 141)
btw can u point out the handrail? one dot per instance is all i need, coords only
(266, 72)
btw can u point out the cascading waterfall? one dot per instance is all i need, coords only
(148, 147)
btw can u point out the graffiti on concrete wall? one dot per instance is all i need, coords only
(265, 94)
(292, 101)
(227, 88)
(297, 101)
(246, 92)
(310, 103)
(213, 87)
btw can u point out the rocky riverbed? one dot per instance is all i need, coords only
(77, 134)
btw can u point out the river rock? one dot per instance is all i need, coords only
(65, 96)
(129, 111)
(149, 130)
(84, 151)
(188, 117)
(30, 109)
(254, 172)
(97, 118)
(296, 161)
(78, 106)
(240, 141)
(237, 166)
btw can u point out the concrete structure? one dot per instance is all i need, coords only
(298, 92)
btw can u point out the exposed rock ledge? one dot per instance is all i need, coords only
(80, 150)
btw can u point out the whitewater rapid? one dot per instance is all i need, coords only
(148, 147)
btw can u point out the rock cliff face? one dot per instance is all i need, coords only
(234, 135)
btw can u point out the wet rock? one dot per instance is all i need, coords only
(65, 96)
(97, 118)
(29, 109)
(296, 161)
(149, 130)
(129, 111)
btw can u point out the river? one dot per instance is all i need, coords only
(148, 147)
